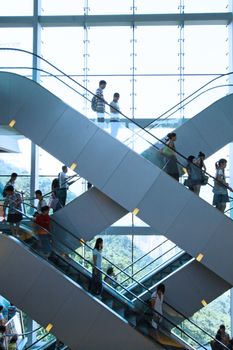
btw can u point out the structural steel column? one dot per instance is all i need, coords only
(230, 55)
(35, 77)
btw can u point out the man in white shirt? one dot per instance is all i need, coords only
(115, 115)
(41, 201)
(63, 185)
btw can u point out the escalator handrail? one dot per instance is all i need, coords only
(132, 120)
(84, 243)
(143, 256)
(145, 304)
(127, 290)
(57, 189)
(194, 98)
(37, 341)
(196, 325)
(23, 334)
(50, 192)
(73, 251)
(152, 262)
(89, 91)
(129, 302)
(119, 284)
(158, 268)
(228, 73)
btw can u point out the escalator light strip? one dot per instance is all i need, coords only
(199, 257)
(49, 327)
(204, 303)
(73, 166)
(12, 123)
(135, 211)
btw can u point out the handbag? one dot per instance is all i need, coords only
(204, 180)
(188, 182)
(167, 151)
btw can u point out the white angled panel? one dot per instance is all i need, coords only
(214, 127)
(193, 283)
(195, 225)
(78, 314)
(69, 136)
(226, 105)
(7, 248)
(131, 180)
(117, 334)
(218, 249)
(20, 267)
(190, 141)
(39, 113)
(163, 202)
(87, 216)
(49, 288)
(100, 158)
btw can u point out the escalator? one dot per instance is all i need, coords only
(208, 131)
(118, 172)
(156, 276)
(173, 267)
(60, 287)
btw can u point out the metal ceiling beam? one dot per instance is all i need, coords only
(223, 18)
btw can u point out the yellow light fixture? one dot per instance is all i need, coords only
(49, 327)
(135, 211)
(199, 257)
(73, 166)
(12, 123)
(204, 303)
(82, 241)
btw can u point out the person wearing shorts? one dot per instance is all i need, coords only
(12, 204)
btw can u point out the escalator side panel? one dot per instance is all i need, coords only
(193, 224)
(86, 215)
(144, 186)
(186, 292)
(131, 180)
(34, 114)
(210, 128)
(70, 123)
(78, 319)
(100, 158)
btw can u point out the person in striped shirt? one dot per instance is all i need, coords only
(100, 107)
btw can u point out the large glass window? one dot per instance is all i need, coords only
(19, 163)
(49, 168)
(158, 6)
(16, 7)
(62, 7)
(13, 60)
(206, 6)
(152, 67)
(103, 7)
(63, 47)
(206, 52)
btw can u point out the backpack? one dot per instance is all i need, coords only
(94, 103)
